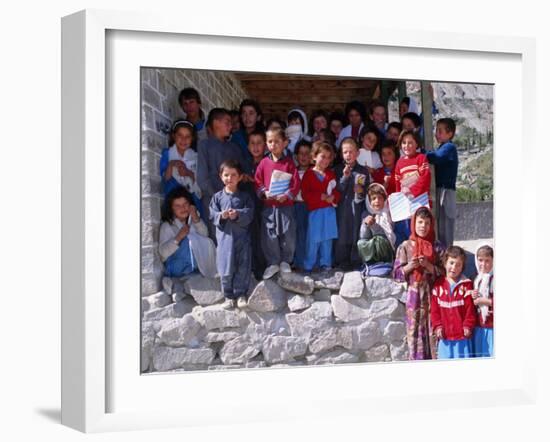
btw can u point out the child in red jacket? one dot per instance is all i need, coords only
(453, 313)
(321, 197)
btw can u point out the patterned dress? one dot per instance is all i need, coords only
(420, 339)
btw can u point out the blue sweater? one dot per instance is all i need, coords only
(445, 160)
(213, 152)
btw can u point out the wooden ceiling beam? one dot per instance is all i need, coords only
(284, 85)
(304, 99)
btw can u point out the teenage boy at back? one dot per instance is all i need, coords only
(212, 152)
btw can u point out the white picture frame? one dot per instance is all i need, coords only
(91, 369)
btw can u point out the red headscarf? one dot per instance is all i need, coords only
(423, 246)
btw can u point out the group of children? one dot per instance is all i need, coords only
(296, 196)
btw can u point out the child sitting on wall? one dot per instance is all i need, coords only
(376, 243)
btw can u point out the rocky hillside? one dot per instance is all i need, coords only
(471, 106)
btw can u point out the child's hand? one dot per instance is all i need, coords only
(172, 165)
(233, 214)
(406, 191)
(414, 263)
(425, 263)
(369, 220)
(281, 198)
(473, 293)
(439, 332)
(184, 231)
(324, 197)
(329, 199)
(347, 171)
(176, 163)
(467, 332)
(410, 266)
(194, 214)
(483, 301)
(225, 214)
(387, 179)
(182, 169)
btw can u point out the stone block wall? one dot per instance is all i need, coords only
(159, 107)
(291, 320)
(474, 221)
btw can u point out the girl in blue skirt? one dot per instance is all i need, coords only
(321, 197)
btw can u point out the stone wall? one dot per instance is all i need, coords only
(159, 92)
(290, 320)
(474, 221)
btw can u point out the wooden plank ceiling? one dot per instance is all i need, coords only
(278, 93)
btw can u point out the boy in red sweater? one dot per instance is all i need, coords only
(453, 314)
(278, 222)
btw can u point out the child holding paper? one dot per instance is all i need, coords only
(277, 184)
(321, 196)
(445, 160)
(412, 171)
(412, 176)
(369, 157)
(352, 182)
(452, 309)
(418, 263)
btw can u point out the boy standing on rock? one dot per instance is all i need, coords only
(232, 211)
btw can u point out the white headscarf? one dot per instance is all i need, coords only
(295, 132)
(382, 216)
(483, 283)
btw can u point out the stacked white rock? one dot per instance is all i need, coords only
(291, 320)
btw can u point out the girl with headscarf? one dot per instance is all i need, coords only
(376, 243)
(418, 263)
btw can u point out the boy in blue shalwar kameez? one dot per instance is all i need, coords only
(211, 153)
(445, 160)
(231, 212)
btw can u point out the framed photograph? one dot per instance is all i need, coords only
(121, 76)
